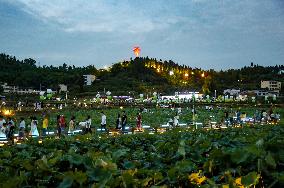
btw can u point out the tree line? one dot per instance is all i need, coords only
(139, 75)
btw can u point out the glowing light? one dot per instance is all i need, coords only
(136, 50)
(171, 73)
(7, 112)
(121, 107)
(186, 74)
(192, 73)
(203, 74)
(40, 141)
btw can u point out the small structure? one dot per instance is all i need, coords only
(16, 89)
(89, 79)
(231, 92)
(270, 85)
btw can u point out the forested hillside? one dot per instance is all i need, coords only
(135, 76)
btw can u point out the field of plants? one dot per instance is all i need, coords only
(247, 156)
(234, 157)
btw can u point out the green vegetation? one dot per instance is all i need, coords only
(238, 157)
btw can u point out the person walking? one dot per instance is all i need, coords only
(124, 122)
(88, 124)
(44, 125)
(11, 130)
(2, 121)
(62, 124)
(138, 121)
(58, 126)
(34, 131)
(22, 128)
(176, 118)
(103, 122)
(118, 121)
(71, 125)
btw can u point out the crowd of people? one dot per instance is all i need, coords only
(232, 118)
(67, 127)
(63, 127)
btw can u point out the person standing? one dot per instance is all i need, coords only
(238, 114)
(176, 118)
(2, 121)
(88, 124)
(58, 126)
(62, 124)
(118, 121)
(34, 131)
(10, 121)
(138, 121)
(124, 121)
(44, 125)
(71, 125)
(11, 130)
(103, 122)
(226, 118)
(171, 123)
(22, 128)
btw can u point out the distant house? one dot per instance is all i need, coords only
(89, 79)
(231, 92)
(16, 89)
(62, 88)
(260, 93)
(270, 85)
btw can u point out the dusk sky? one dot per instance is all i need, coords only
(218, 34)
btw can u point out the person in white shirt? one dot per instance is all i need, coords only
(103, 122)
(2, 128)
(71, 125)
(22, 127)
(2, 121)
(176, 120)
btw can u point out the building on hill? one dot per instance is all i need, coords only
(9, 89)
(16, 89)
(261, 92)
(89, 79)
(231, 92)
(270, 85)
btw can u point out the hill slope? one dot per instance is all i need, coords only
(135, 76)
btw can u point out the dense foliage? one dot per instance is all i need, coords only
(26, 73)
(135, 76)
(238, 157)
